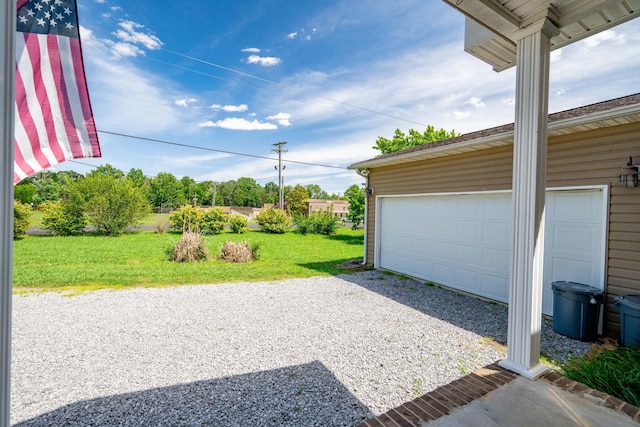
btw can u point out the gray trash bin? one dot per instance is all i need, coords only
(629, 306)
(576, 310)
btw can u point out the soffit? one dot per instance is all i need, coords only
(493, 26)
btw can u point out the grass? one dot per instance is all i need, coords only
(615, 372)
(88, 262)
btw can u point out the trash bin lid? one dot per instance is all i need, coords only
(632, 301)
(576, 288)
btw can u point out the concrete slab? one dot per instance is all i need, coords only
(523, 402)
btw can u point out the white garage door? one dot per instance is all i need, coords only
(462, 240)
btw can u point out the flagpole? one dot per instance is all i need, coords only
(7, 95)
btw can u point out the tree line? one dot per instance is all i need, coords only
(165, 189)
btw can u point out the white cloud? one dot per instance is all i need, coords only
(185, 102)
(282, 118)
(265, 61)
(237, 123)
(130, 33)
(476, 102)
(293, 35)
(597, 39)
(230, 108)
(125, 97)
(121, 50)
(251, 50)
(115, 8)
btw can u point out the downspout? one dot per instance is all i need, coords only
(365, 174)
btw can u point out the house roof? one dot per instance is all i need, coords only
(595, 116)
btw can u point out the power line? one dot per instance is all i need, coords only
(216, 150)
(251, 76)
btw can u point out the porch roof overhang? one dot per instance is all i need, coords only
(492, 25)
(595, 116)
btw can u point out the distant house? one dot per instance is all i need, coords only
(340, 208)
(442, 212)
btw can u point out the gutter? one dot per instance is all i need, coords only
(365, 174)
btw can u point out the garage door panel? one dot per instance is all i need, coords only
(574, 239)
(468, 231)
(577, 207)
(469, 255)
(496, 287)
(496, 232)
(497, 206)
(463, 241)
(495, 259)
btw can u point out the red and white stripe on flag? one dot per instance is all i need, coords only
(53, 117)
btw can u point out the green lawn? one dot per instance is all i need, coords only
(140, 259)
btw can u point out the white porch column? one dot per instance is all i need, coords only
(529, 176)
(7, 95)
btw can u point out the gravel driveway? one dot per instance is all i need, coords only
(323, 351)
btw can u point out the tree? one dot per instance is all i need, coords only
(296, 200)
(316, 192)
(355, 197)
(165, 189)
(137, 178)
(400, 141)
(271, 193)
(107, 170)
(189, 190)
(47, 187)
(110, 204)
(248, 192)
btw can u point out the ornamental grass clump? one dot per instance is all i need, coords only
(615, 372)
(238, 252)
(190, 248)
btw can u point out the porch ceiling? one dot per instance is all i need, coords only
(492, 25)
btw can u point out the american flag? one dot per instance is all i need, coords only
(53, 118)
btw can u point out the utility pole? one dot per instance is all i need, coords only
(280, 168)
(215, 191)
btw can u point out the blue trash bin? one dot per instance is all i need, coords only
(576, 310)
(629, 306)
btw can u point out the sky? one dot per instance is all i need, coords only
(328, 78)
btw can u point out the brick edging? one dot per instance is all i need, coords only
(595, 396)
(443, 400)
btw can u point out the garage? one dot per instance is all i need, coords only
(462, 240)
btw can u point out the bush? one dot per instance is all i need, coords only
(62, 220)
(190, 248)
(21, 219)
(238, 252)
(316, 223)
(213, 220)
(274, 221)
(185, 218)
(109, 203)
(239, 224)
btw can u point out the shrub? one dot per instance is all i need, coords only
(190, 248)
(62, 220)
(213, 220)
(109, 203)
(316, 223)
(21, 219)
(238, 224)
(185, 218)
(274, 221)
(238, 252)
